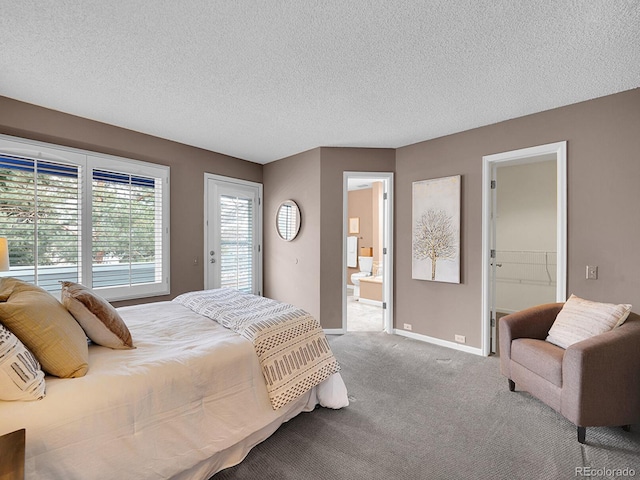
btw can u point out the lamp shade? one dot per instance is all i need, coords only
(4, 255)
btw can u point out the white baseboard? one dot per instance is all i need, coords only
(438, 341)
(417, 336)
(370, 302)
(334, 331)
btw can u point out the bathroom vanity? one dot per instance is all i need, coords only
(371, 290)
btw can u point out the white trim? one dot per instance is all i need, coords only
(438, 341)
(388, 268)
(519, 157)
(507, 311)
(219, 179)
(334, 331)
(368, 301)
(133, 167)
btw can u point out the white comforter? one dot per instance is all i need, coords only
(292, 349)
(187, 402)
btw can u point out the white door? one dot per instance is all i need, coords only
(494, 265)
(386, 243)
(233, 234)
(524, 267)
(524, 240)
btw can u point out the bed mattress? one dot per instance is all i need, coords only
(189, 401)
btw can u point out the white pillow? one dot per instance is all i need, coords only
(20, 375)
(580, 319)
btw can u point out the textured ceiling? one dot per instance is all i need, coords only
(262, 80)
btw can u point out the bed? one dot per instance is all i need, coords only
(188, 401)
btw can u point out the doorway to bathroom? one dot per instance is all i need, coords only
(367, 252)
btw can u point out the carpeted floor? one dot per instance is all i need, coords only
(420, 411)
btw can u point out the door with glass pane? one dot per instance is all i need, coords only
(233, 235)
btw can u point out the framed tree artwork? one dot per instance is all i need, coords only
(436, 230)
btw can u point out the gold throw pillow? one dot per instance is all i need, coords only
(45, 327)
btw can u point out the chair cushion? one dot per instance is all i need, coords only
(540, 357)
(580, 319)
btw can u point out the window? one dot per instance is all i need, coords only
(39, 215)
(95, 219)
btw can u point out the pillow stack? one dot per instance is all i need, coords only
(39, 334)
(45, 327)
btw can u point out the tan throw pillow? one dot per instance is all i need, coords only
(20, 375)
(45, 327)
(97, 317)
(580, 319)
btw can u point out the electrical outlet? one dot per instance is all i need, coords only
(592, 272)
(460, 338)
(407, 326)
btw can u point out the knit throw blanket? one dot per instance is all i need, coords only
(292, 349)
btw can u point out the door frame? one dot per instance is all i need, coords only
(388, 267)
(231, 182)
(519, 157)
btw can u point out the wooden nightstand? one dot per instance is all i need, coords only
(12, 455)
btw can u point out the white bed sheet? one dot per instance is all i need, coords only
(187, 402)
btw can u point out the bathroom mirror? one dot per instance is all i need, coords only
(288, 220)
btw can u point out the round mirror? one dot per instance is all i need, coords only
(288, 220)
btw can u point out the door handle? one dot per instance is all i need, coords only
(212, 253)
(213, 260)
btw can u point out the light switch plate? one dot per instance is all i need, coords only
(592, 272)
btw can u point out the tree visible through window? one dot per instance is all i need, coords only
(125, 228)
(115, 241)
(39, 215)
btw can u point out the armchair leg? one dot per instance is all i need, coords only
(626, 428)
(512, 385)
(582, 433)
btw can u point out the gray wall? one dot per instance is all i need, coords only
(603, 138)
(188, 165)
(314, 180)
(336, 161)
(292, 269)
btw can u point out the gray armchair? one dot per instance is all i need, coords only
(595, 382)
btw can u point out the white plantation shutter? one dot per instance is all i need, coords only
(127, 229)
(39, 214)
(236, 242)
(95, 219)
